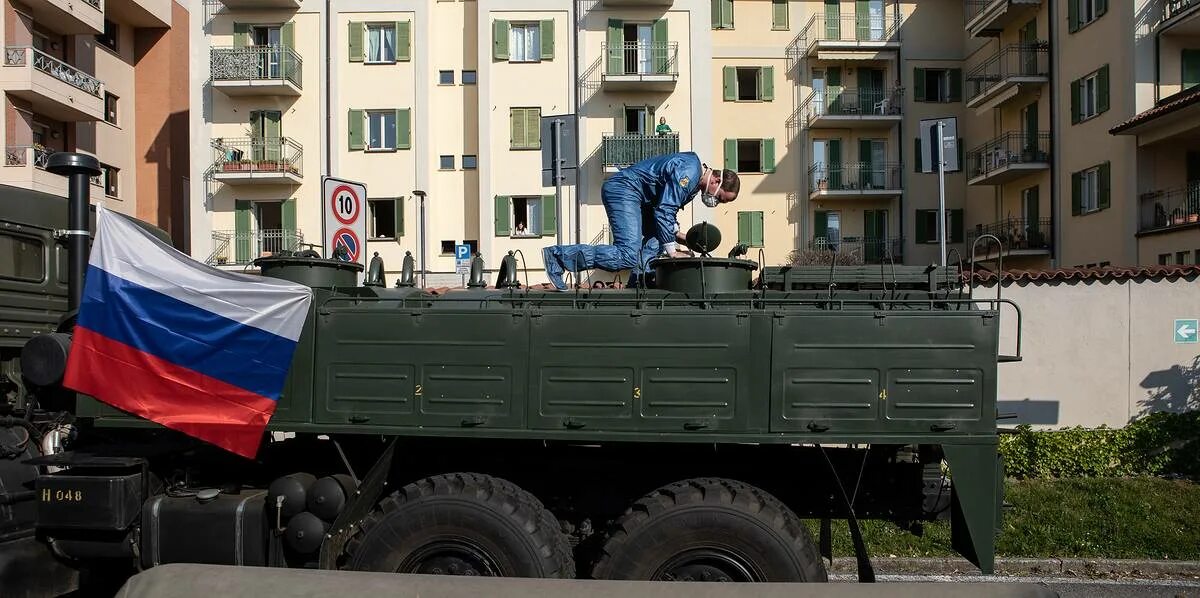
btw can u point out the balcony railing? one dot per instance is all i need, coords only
(867, 250)
(850, 28)
(22, 155)
(641, 58)
(860, 176)
(853, 102)
(251, 155)
(93, 3)
(1174, 7)
(1016, 234)
(1169, 208)
(232, 247)
(1016, 60)
(20, 56)
(1012, 148)
(624, 150)
(257, 63)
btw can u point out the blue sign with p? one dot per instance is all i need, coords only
(462, 252)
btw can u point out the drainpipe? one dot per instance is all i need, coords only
(900, 137)
(1055, 220)
(328, 97)
(573, 14)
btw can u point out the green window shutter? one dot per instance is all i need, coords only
(354, 126)
(726, 14)
(1073, 15)
(1190, 60)
(833, 20)
(241, 35)
(1105, 195)
(922, 223)
(956, 80)
(287, 34)
(404, 128)
(241, 229)
(1076, 107)
(833, 154)
(1101, 8)
(288, 220)
(354, 34)
(864, 153)
(767, 74)
(833, 76)
(533, 128)
(820, 224)
(659, 50)
(744, 228)
(502, 216)
(1076, 194)
(862, 20)
(499, 40)
(549, 215)
(916, 154)
(403, 41)
(961, 160)
(779, 14)
(1102, 90)
(956, 226)
(731, 157)
(729, 83)
(516, 128)
(715, 9)
(919, 84)
(756, 229)
(546, 38)
(767, 157)
(399, 211)
(616, 47)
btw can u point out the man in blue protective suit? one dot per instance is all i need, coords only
(641, 202)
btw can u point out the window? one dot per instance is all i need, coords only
(111, 173)
(445, 77)
(1181, 257)
(525, 128)
(779, 14)
(524, 43)
(750, 228)
(445, 162)
(110, 108)
(927, 226)
(1164, 259)
(469, 77)
(1089, 95)
(1090, 189)
(722, 14)
(381, 43)
(750, 155)
(22, 258)
(1196, 257)
(109, 38)
(1082, 12)
(1105, 264)
(526, 216)
(469, 162)
(748, 84)
(937, 85)
(381, 130)
(1189, 60)
(383, 222)
(447, 247)
(473, 245)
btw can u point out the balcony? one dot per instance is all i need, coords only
(854, 181)
(1169, 209)
(650, 66)
(69, 17)
(849, 37)
(239, 248)
(257, 4)
(636, 3)
(1179, 17)
(257, 161)
(25, 167)
(1008, 157)
(852, 108)
(1018, 236)
(53, 87)
(140, 13)
(1006, 74)
(987, 18)
(257, 70)
(860, 250)
(619, 151)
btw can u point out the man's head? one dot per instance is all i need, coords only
(719, 186)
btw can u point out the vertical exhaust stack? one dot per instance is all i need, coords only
(79, 169)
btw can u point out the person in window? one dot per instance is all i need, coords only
(521, 231)
(663, 128)
(642, 202)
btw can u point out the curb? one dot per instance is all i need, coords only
(1070, 567)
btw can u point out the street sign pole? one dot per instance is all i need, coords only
(941, 157)
(556, 138)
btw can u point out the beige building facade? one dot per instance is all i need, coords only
(106, 78)
(818, 105)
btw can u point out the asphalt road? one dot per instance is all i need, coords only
(1065, 586)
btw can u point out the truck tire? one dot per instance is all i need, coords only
(462, 524)
(710, 529)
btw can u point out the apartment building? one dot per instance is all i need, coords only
(102, 77)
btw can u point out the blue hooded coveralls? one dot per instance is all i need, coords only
(641, 202)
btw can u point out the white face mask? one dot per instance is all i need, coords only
(709, 199)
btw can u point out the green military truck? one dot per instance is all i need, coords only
(673, 433)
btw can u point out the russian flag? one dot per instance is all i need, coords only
(196, 349)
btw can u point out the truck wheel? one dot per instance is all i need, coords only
(462, 524)
(710, 529)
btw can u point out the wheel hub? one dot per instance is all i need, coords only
(711, 565)
(450, 558)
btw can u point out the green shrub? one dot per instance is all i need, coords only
(1159, 444)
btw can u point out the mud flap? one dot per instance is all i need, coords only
(976, 492)
(363, 501)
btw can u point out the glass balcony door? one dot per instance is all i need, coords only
(271, 39)
(638, 38)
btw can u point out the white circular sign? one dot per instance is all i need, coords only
(346, 204)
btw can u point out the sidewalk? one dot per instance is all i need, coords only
(1087, 568)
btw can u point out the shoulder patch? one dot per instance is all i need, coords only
(684, 182)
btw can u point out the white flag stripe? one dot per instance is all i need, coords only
(125, 250)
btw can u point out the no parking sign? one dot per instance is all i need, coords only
(343, 213)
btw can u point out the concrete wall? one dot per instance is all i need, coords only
(1098, 352)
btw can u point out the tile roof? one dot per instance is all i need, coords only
(1105, 273)
(1165, 106)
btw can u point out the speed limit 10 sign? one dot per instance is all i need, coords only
(345, 223)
